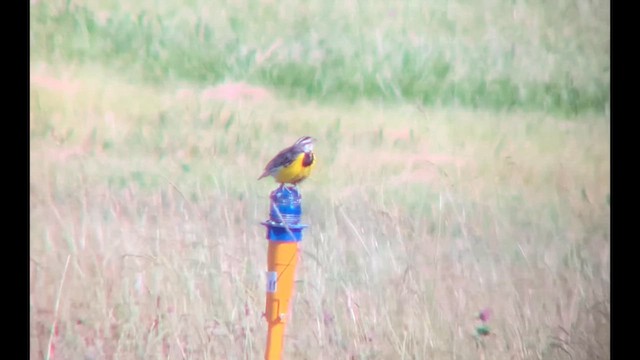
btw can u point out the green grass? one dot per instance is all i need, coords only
(463, 162)
(497, 55)
(419, 218)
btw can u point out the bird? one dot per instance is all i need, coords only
(293, 164)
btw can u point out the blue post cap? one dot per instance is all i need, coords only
(284, 215)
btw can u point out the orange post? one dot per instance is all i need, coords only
(283, 232)
(283, 258)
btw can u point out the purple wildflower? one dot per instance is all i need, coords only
(484, 315)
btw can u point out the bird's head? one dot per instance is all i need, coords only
(305, 143)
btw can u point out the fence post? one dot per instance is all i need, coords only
(284, 231)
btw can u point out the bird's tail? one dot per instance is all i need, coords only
(264, 174)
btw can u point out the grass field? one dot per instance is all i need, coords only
(463, 163)
(493, 54)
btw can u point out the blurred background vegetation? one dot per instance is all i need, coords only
(492, 54)
(463, 163)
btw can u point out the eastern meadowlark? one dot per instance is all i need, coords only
(293, 164)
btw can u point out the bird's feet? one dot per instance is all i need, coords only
(289, 188)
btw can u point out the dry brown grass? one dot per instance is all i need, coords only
(418, 220)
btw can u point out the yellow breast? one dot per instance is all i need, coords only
(294, 172)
